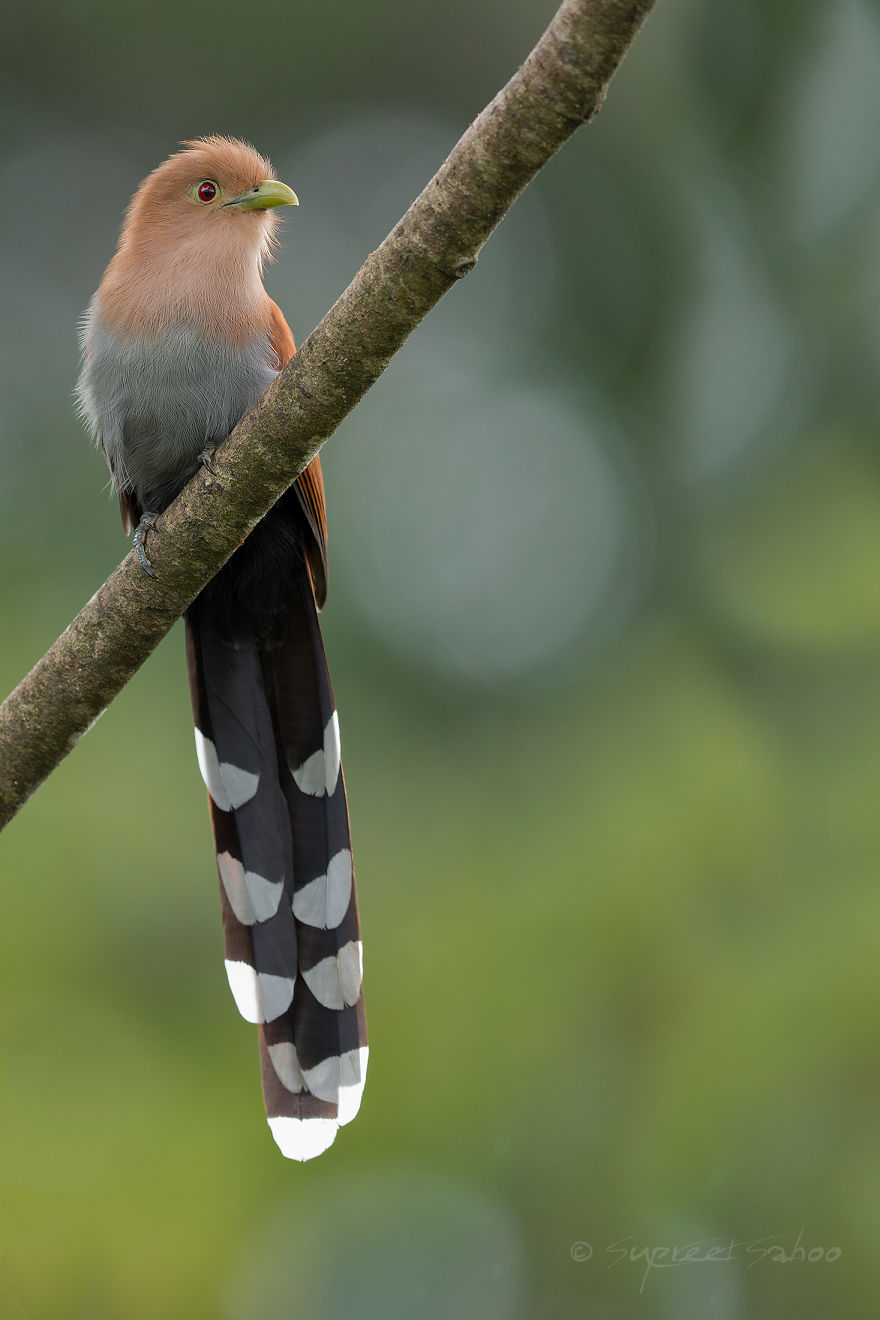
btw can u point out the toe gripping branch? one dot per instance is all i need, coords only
(205, 459)
(148, 520)
(146, 524)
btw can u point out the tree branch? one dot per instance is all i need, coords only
(561, 85)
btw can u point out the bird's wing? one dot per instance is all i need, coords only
(310, 484)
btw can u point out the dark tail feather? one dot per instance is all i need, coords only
(267, 738)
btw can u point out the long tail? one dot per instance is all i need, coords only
(267, 737)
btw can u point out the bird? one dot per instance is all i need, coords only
(178, 343)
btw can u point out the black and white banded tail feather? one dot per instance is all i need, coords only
(267, 737)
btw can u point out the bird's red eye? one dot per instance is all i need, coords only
(207, 191)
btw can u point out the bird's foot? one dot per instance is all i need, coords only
(205, 459)
(146, 524)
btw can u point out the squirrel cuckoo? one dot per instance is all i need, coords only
(179, 341)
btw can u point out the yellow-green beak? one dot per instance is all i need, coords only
(269, 193)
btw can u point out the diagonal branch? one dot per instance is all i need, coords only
(561, 85)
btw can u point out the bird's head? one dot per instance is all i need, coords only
(217, 193)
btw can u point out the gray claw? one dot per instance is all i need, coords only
(147, 523)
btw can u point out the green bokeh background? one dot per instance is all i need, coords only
(604, 627)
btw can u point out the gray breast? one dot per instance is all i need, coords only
(156, 405)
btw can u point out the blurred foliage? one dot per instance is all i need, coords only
(605, 635)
